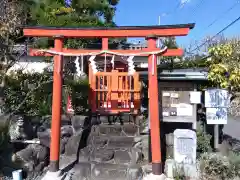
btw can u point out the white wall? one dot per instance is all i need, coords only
(30, 64)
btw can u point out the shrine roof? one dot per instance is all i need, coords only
(108, 32)
(190, 26)
(190, 74)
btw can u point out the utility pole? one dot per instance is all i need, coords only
(159, 23)
(158, 42)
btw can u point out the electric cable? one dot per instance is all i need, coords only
(221, 31)
(220, 16)
(196, 7)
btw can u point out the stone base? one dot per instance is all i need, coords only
(155, 177)
(53, 176)
(188, 170)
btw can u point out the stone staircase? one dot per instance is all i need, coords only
(111, 152)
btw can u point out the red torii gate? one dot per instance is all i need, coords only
(151, 33)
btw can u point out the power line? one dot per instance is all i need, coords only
(178, 6)
(224, 29)
(224, 13)
(198, 5)
(220, 16)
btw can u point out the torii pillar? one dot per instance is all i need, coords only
(154, 107)
(56, 106)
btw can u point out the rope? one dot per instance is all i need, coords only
(105, 61)
(93, 63)
(77, 65)
(102, 52)
(112, 61)
(131, 67)
(93, 56)
(82, 64)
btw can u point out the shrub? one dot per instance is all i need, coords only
(178, 173)
(4, 136)
(28, 94)
(79, 90)
(31, 94)
(4, 142)
(216, 166)
(203, 140)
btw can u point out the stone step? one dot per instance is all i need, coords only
(80, 122)
(113, 149)
(113, 141)
(116, 129)
(125, 156)
(126, 118)
(104, 171)
(112, 152)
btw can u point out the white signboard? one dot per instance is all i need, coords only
(165, 113)
(184, 109)
(215, 98)
(185, 146)
(216, 115)
(166, 94)
(174, 95)
(217, 102)
(195, 97)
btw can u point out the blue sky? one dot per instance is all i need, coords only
(146, 12)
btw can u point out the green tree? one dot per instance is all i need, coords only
(81, 13)
(14, 14)
(224, 69)
(170, 43)
(31, 93)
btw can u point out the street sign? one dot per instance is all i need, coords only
(216, 102)
(216, 115)
(215, 98)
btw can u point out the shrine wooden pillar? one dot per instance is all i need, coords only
(56, 106)
(90, 80)
(104, 43)
(154, 107)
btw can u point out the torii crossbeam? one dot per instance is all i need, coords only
(151, 33)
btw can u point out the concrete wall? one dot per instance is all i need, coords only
(30, 64)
